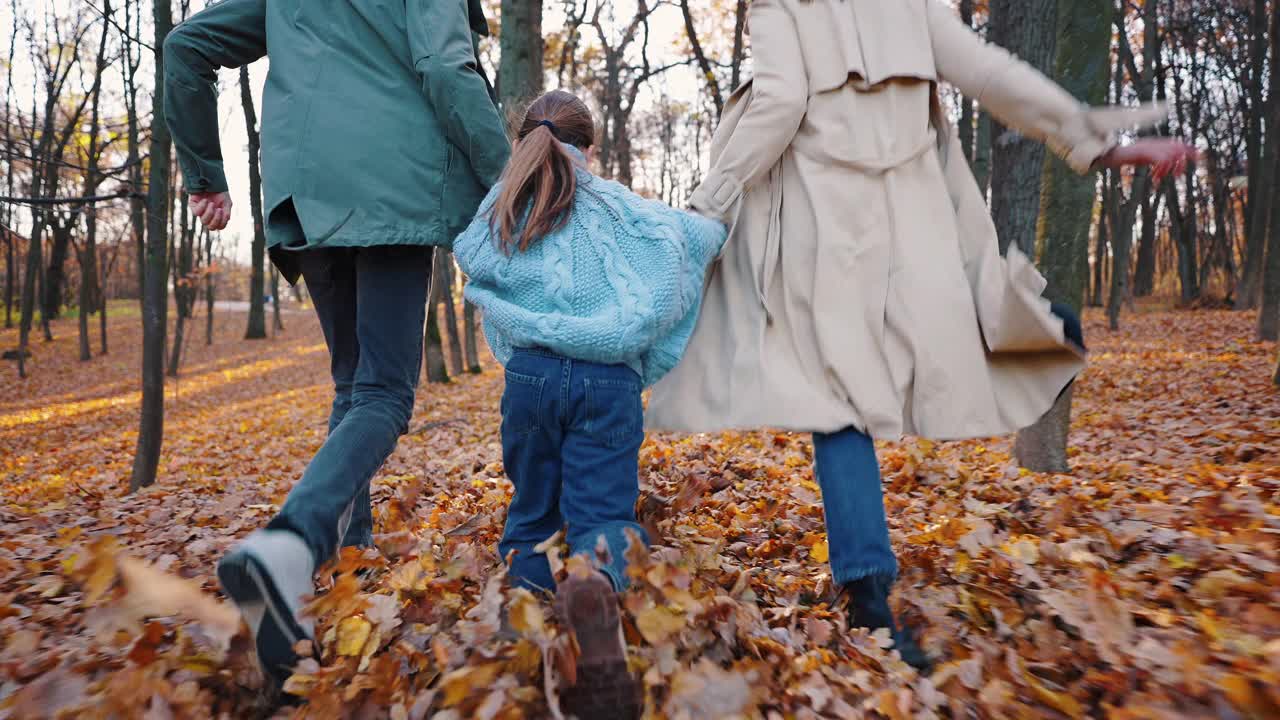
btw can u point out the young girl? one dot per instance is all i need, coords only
(589, 294)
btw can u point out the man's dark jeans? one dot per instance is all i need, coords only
(371, 302)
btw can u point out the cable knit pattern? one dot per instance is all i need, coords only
(620, 283)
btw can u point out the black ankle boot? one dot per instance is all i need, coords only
(1071, 327)
(869, 608)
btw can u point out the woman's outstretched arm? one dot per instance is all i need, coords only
(780, 96)
(1024, 99)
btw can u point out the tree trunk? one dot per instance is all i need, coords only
(700, 56)
(155, 300)
(520, 41)
(11, 240)
(56, 275)
(87, 296)
(277, 323)
(432, 347)
(137, 211)
(9, 275)
(45, 327)
(1269, 312)
(1043, 446)
(1100, 251)
(1017, 163)
(29, 281)
(1269, 315)
(1144, 275)
(451, 316)
(739, 44)
(183, 287)
(1182, 226)
(102, 310)
(982, 153)
(210, 287)
(469, 331)
(257, 328)
(1260, 209)
(1082, 36)
(966, 104)
(1259, 154)
(1121, 241)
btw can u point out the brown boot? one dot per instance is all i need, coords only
(605, 687)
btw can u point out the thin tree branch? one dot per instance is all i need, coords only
(116, 25)
(42, 201)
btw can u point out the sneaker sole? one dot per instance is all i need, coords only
(247, 582)
(605, 687)
(605, 690)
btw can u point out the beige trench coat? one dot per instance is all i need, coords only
(862, 285)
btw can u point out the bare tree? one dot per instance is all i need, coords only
(1017, 163)
(55, 59)
(257, 327)
(155, 305)
(277, 325)
(432, 347)
(91, 295)
(184, 285)
(210, 286)
(469, 331)
(520, 68)
(10, 240)
(1261, 154)
(451, 315)
(1269, 313)
(1123, 212)
(1080, 64)
(618, 82)
(709, 69)
(137, 210)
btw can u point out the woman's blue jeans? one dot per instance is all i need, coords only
(853, 501)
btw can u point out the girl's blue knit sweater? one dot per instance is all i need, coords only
(621, 282)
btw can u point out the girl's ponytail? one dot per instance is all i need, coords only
(539, 183)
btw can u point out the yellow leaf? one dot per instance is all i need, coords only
(1177, 562)
(1061, 702)
(525, 614)
(460, 683)
(1245, 696)
(1025, 549)
(820, 551)
(657, 624)
(353, 632)
(1210, 626)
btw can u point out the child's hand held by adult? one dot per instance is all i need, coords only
(1162, 155)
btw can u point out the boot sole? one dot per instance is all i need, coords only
(605, 687)
(248, 583)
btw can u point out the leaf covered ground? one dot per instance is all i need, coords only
(1146, 584)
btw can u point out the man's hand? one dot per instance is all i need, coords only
(1163, 155)
(213, 209)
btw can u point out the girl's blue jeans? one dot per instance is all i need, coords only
(571, 435)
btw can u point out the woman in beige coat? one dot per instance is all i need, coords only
(861, 293)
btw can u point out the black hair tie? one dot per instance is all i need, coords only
(555, 132)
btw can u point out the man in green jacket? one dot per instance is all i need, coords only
(379, 140)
